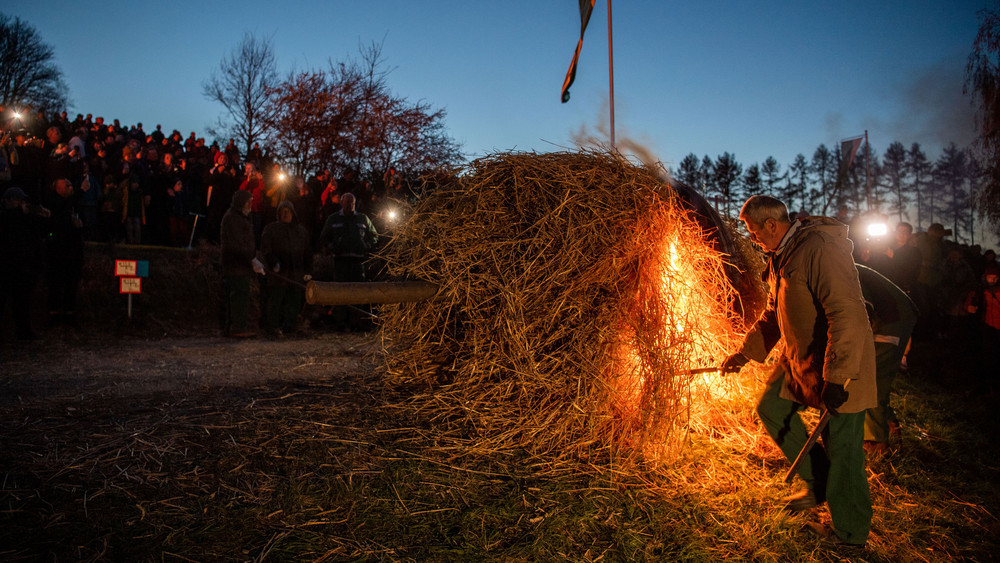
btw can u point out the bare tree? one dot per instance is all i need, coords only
(28, 75)
(346, 118)
(982, 73)
(242, 84)
(312, 117)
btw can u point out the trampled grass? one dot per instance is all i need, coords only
(331, 471)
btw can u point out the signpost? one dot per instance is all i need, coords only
(130, 274)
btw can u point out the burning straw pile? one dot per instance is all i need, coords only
(577, 293)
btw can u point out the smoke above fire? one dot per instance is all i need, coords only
(931, 109)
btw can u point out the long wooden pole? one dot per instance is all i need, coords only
(611, 76)
(361, 293)
(868, 171)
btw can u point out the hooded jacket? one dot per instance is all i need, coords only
(817, 315)
(239, 247)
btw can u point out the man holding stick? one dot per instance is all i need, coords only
(817, 314)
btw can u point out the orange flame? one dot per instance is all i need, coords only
(685, 323)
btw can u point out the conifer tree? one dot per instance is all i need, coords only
(894, 166)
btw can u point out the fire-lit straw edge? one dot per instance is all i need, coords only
(576, 294)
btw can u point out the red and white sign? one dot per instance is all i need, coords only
(130, 285)
(125, 268)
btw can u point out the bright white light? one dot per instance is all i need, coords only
(281, 176)
(17, 115)
(392, 215)
(877, 229)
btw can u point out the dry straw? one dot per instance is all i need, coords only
(576, 292)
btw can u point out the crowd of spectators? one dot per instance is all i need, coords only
(954, 285)
(122, 184)
(155, 187)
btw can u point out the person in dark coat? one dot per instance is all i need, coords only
(21, 230)
(239, 261)
(348, 235)
(306, 208)
(287, 256)
(222, 183)
(63, 253)
(893, 315)
(904, 259)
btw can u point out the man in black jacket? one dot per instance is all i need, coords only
(239, 261)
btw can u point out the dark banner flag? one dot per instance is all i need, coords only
(848, 149)
(586, 7)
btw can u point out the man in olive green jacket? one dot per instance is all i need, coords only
(817, 316)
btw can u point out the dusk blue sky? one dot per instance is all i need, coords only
(756, 79)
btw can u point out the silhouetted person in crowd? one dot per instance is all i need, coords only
(222, 183)
(306, 208)
(348, 235)
(287, 256)
(893, 315)
(927, 293)
(253, 182)
(904, 259)
(133, 210)
(22, 227)
(957, 281)
(63, 253)
(239, 254)
(178, 195)
(985, 305)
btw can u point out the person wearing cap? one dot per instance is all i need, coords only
(816, 316)
(287, 257)
(22, 228)
(239, 262)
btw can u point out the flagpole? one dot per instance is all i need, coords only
(611, 76)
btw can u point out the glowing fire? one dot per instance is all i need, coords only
(685, 326)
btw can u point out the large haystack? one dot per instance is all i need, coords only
(576, 291)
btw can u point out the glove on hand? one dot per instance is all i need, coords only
(834, 396)
(734, 363)
(258, 266)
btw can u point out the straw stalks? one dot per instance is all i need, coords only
(576, 291)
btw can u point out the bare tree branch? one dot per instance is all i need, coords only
(242, 84)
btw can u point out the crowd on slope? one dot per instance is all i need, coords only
(85, 179)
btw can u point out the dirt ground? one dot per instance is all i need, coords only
(108, 444)
(59, 370)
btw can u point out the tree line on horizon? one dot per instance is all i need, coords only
(903, 184)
